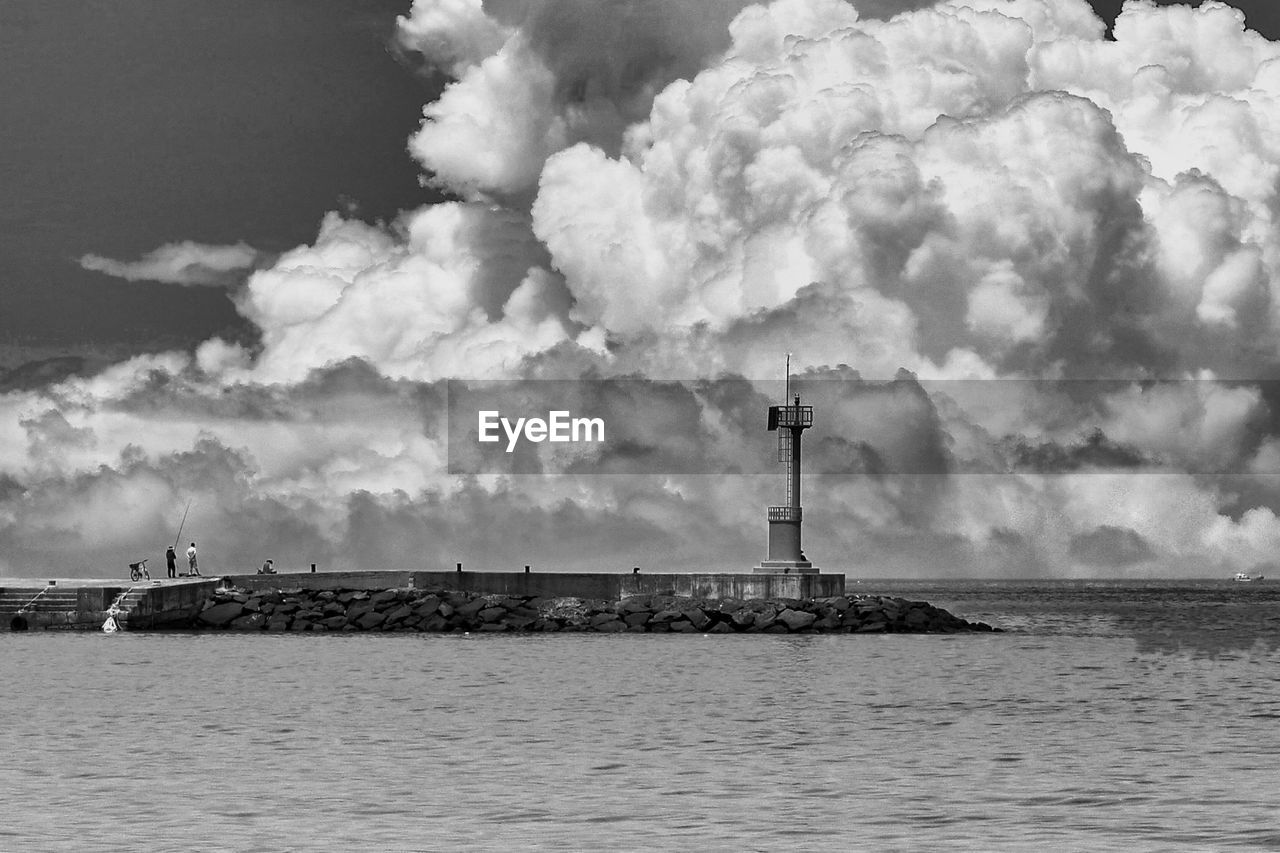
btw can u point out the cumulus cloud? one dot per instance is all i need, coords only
(186, 263)
(1029, 274)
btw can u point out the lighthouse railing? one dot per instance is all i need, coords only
(784, 417)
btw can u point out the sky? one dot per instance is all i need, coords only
(1027, 264)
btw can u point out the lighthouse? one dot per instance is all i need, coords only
(789, 420)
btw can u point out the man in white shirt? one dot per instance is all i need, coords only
(191, 559)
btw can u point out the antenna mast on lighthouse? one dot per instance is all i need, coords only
(787, 392)
(790, 420)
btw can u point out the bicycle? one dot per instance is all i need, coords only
(138, 571)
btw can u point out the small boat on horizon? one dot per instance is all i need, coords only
(1244, 577)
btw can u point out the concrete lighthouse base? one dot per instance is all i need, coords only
(786, 567)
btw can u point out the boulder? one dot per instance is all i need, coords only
(682, 626)
(493, 627)
(637, 619)
(829, 622)
(492, 614)
(720, 628)
(697, 618)
(613, 626)
(355, 611)
(278, 622)
(472, 608)
(426, 606)
(796, 619)
(743, 618)
(633, 604)
(665, 616)
(248, 622)
(334, 623)
(601, 618)
(400, 614)
(221, 614)
(371, 619)
(851, 618)
(379, 600)
(434, 622)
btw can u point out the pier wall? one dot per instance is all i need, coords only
(163, 605)
(324, 580)
(605, 585)
(616, 586)
(170, 604)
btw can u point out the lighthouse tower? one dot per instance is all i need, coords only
(790, 420)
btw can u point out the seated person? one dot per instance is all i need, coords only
(268, 568)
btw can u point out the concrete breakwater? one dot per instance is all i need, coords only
(408, 609)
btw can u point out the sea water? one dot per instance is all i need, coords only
(1109, 716)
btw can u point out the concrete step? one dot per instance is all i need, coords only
(60, 600)
(13, 601)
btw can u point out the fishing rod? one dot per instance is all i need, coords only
(178, 538)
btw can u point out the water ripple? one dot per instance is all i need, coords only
(1102, 739)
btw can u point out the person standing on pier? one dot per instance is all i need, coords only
(191, 559)
(171, 557)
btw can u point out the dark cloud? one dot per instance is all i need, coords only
(44, 372)
(1111, 547)
(1094, 451)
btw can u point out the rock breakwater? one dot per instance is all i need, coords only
(349, 610)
